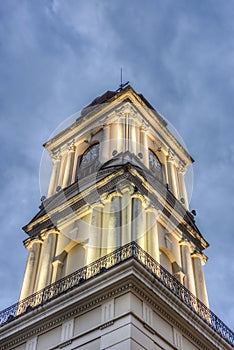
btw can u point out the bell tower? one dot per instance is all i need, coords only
(123, 134)
(115, 259)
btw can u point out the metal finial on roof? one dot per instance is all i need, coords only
(122, 85)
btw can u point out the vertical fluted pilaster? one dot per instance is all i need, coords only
(68, 167)
(137, 222)
(126, 215)
(120, 135)
(152, 232)
(187, 266)
(113, 224)
(133, 140)
(94, 244)
(182, 188)
(61, 170)
(46, 260)
(105, 144)
(144, 145)
(31, 269)
(171, 174)
(75, 163)
(199, 278)
(55, 173)
(57, 270)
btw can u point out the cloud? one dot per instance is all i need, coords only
(57, 56)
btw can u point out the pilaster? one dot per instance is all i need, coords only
(47, 258)
(144, 143)
(152, 232)
(95, 235)
(138, 230)
(56, 158)
(187, 265)
(197, 259)
(126, 191)
(171, 173)
(62, 169)
(105, 144)
(68, 167)
(182, 189)
(31, 268)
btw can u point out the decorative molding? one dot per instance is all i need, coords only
(171, 156)
(129, 286)
(107, 324)
(57, 321)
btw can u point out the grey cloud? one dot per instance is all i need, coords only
(57, 56)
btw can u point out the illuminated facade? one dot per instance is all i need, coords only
(114, 255)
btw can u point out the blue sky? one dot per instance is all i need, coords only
(57, 56)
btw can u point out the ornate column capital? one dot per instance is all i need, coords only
(56, 156)
(181, 168)
(126, 186)
(184, 241)
(111, 195)
(29, 242)
(150, 207)
(144, 126)
(198, 254)
(98, 204)
(46, 232)
(170, 156)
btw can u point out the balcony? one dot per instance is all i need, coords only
(119, 256)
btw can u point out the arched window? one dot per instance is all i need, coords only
(90, 155)
(88, 162)
(155, 165)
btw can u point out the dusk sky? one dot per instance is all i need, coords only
(57, 56)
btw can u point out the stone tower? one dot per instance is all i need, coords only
(114, 255)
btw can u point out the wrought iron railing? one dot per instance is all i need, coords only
(130, 250)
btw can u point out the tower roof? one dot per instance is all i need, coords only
(104, 103)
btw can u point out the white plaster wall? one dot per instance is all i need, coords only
(87, 321)
(49, 339)
(75, 259)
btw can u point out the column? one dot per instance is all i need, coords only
(31, 269)
(171, 173)
(74, 167)
(113, 138)
(126, 133)
(187, 266)
(152, 233)
(182, 188)
(57, 270)
(164, 162)
(46, 260)
(126, 215)
(94, 244)
(144, 145)
(105, 144)
(113, 234)
(133, 140)
(199, 278)
(138, 146)
(61, 171)
(137, 222)
(54, 176)
(120, 133)
(68, 167)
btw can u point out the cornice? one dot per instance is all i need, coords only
(71, 201)
(96, 115)
(118, 281)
